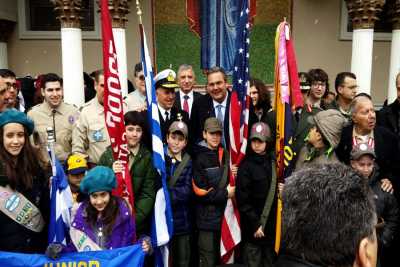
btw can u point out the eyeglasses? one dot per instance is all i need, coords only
(11, 85)
(141, 77)
(318, 84)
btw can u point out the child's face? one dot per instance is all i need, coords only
(176, 143)
(315, 136)
(258, 146)
(212, 139)
(100, 200)
(364, 165)
(75, 179)
(133, 135)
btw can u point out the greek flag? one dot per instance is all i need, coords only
(60, 203)
(161, 229)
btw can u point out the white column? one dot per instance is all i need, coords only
(361, 58)
(120, 46)
(394, 66)
(72, 66)
(3, 56)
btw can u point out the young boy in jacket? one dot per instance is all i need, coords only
(179, 177)
(212, 190)
(256, 197)
(362, 159)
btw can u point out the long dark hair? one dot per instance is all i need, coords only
(264, 98)
(21, 169)
(109, 215)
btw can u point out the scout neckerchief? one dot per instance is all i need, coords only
(369, 139)
(17, 207)
(176, 173)
(81, 240)
(270, 197)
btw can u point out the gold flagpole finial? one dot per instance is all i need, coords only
(139, 11)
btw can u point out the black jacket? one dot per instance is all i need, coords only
(386, 150)
(15, 237)
(388, 117)
(177, 104)
(207, 173)
(203, 109)
(173, 116)
(387, 209)
(252, 187)
(289, 261)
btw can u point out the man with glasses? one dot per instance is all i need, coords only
(346, 90)
(312, 105)
(12, 98)
(137, 99)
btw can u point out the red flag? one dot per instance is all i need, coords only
(113, 108)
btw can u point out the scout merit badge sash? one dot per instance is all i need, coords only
(179, 170)
(20, 209)
(80, 240)
(270, 197)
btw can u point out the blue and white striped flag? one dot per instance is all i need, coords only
(61, 202)
(162, 224)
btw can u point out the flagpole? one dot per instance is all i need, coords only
(139, 11)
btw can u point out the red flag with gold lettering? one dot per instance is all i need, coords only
(113, 108)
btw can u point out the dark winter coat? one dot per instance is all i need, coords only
(181, 195)
(207, 173)
(289, 261)
(122, 233)
(15, 237)
(143, 177)
(388, 117)
(386, 150)
(252, 186)
(387, 209)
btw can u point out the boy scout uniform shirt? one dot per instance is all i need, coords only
(65, 119)
(90, 136)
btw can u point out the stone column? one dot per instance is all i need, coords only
(69, 14)
(118, 11)
(395, 51)
(363, 14)
(6, 28)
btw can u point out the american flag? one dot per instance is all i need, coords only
(238, 130)
(162, 224)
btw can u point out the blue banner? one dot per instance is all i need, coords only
(132, 256)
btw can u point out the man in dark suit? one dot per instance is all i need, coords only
(185, 97)
(165, 93)
(364, 130)
(214, 104)
(389, 116)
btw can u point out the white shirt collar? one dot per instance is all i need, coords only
(162, 111)
(223, 103)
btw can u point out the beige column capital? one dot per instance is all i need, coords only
(6, 28)
(363, 13)
(68, 12)
(394, 13)
(118, 11)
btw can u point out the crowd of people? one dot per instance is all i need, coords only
(340, 206)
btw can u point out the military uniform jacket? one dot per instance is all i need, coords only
(90, 136)
(65, 117)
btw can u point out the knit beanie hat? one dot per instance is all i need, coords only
(12, 115)
(330, 123)
(98, 179)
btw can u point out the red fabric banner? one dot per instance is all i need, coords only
(113, 107)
